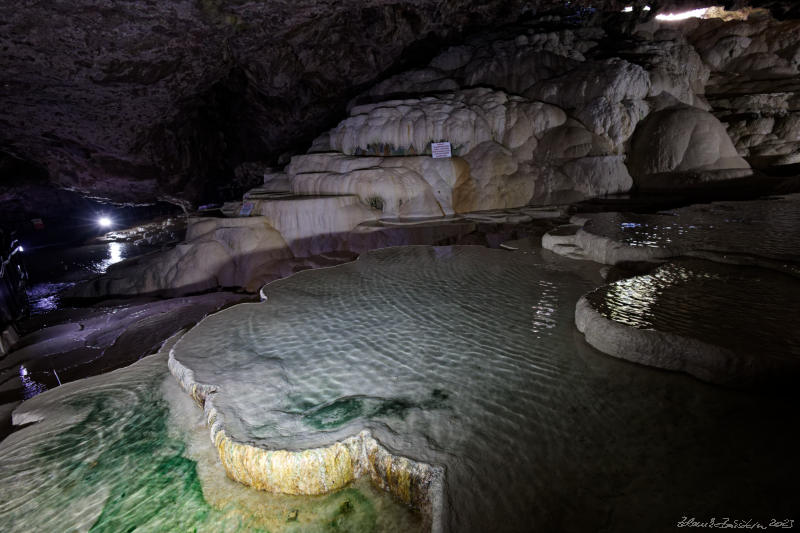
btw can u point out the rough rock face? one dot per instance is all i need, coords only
(683, 139)
(140, 100)
(754, 86)
(137, 100)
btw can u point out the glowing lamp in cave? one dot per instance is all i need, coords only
(694, 13)
(104, 222)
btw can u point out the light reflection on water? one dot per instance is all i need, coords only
(732, 306)
(767, 227)
(30, 387)
(544, 312)
(520, 435)
(115, 255)
(654, 235)
(62, 268)
(43, 297)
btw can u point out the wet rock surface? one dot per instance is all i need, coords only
(725, 324)
(217, 252)
(73, 343)
(466, 358)
(762, 232)
(127, 449)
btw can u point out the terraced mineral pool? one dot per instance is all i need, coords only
(128, 451)
(467, 358)
(724, 323)
(768, 228)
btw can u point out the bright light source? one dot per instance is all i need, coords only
(695, 13)
(627, 9)
(646, 8)
(104, 222)
(21, 249)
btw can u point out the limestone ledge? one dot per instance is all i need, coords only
(319, 470)
(650, 347)
(575, 241)
(579, 240)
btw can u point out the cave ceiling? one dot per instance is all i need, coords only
(135, 101)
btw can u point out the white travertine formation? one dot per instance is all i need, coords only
(674, 66)
(754, 86)
(758, 47)
(313, 224)
(683, 139)
(396, 186)
(464, 118)
(614, 79)
(394, 191)
(716, 322)
(217, 252)
(607, 96)
(495, 138)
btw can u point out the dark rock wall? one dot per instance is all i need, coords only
(136, 100)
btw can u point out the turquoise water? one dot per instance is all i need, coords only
(122, 464)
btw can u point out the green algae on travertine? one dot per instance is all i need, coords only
(334, 414)
(120, 466)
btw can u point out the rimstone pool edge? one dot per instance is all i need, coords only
(321, 470)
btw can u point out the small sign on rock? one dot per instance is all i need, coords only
(441, 150)
(247, 208)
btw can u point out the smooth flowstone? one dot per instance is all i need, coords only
(725, 324)
(453, 378)
(764, 232)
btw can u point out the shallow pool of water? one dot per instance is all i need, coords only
(468, 358)
(54, 269)
(125, 451)
(765, 227)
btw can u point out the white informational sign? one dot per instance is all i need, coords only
(441, 150)
(247, 208)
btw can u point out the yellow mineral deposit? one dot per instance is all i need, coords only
(318, 470)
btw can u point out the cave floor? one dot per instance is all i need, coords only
(531, 424)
